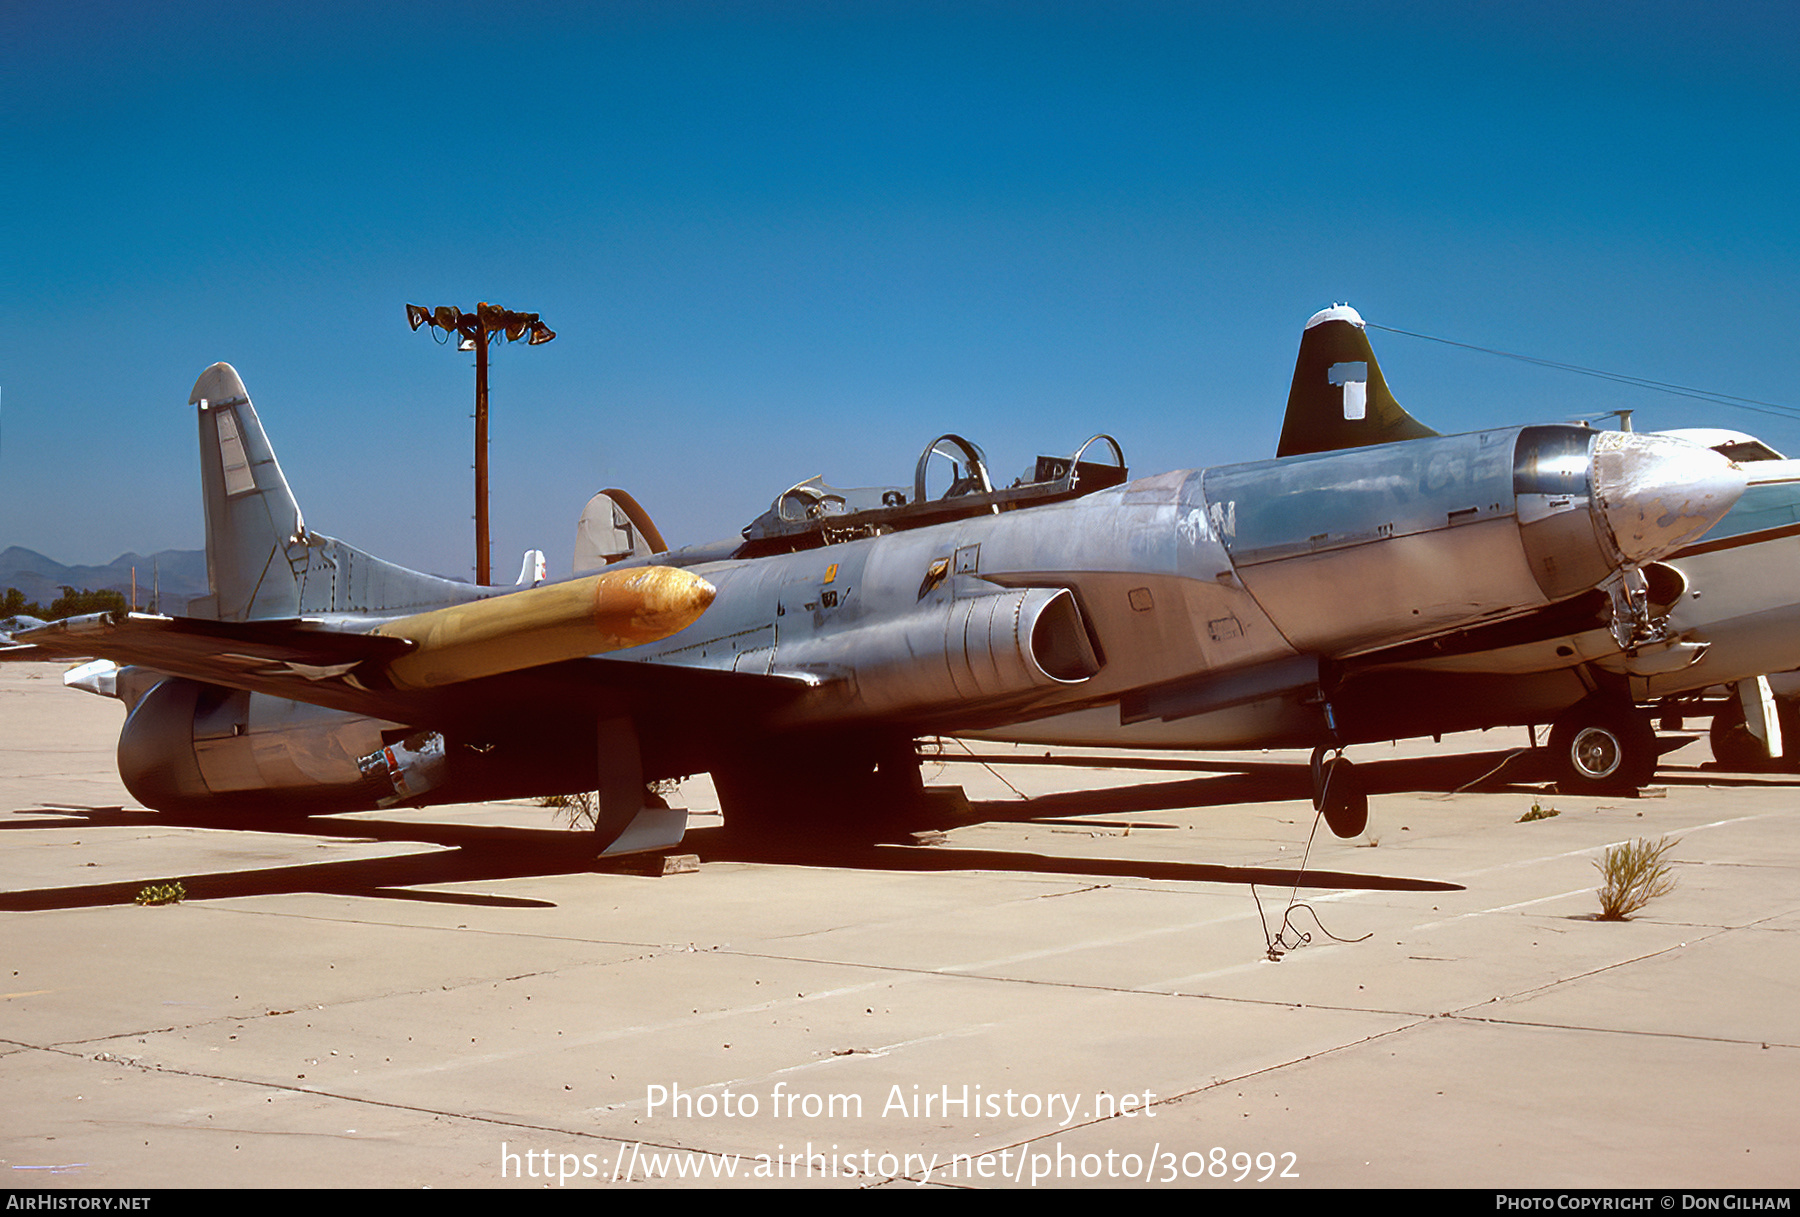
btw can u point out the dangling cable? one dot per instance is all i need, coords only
(1277, 944)
(965, 747)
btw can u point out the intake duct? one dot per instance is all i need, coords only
(992, 647)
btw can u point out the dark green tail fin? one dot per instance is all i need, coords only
(1339, 399)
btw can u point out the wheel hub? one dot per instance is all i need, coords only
(1596, 752)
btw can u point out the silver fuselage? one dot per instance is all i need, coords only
(1138, 614)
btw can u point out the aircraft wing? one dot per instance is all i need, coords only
(217, 651)
(310, 661)
(482, 662)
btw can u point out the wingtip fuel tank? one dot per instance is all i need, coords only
(605, 612)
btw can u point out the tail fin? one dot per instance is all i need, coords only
(1339, 398)
(253, 524)
(261, 561)
(612, 528)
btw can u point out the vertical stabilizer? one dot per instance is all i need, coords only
(614, 527)
(252, 520)
(261, 560)
(1339, 398)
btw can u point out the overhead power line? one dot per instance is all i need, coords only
(1624, 378)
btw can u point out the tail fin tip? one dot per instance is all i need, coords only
(219, 385)
(1337, 312)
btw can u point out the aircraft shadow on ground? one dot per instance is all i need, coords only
(1708, 775)
(864, 856)
(474, 854)
(470, 854)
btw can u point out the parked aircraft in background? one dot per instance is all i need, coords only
(14, 625)
(1729, 603)
(800, 662)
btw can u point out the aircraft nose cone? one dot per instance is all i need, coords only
(1658, 492)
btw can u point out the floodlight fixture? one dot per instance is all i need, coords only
(474, 331)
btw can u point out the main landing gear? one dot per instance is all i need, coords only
(855, 787)
(1741, 748)
(1603, 746)
(1733, 746)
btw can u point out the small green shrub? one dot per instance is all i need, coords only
(162, 893)
(1633, 875)
(577, 809)
(581, 808)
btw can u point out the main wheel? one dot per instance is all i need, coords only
(1733, 747)
(1603, 747)
(858, 787)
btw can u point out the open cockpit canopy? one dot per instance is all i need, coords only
(813, 513)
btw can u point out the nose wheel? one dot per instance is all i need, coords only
(1338, 792)
(1603, 747)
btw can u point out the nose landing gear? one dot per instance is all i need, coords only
(1339, 793)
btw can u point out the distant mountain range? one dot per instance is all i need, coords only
(180, 574)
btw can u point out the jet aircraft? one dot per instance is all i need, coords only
(1729, 603)
(13, 625)
(800, 662)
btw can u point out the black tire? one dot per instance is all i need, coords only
(1603, 747)
(1733, 747)
(1343, 798)
(1736, 750)
(858, 788)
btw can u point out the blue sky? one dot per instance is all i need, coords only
(784, 239)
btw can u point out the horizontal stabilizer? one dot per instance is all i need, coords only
(263, 563)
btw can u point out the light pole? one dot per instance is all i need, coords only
(475, 330)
